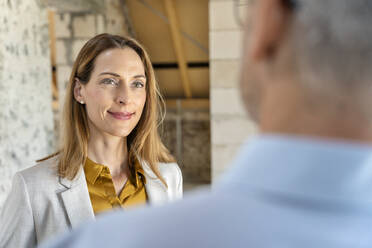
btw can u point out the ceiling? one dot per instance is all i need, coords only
(151, 22)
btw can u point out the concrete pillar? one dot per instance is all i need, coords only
(26, 118)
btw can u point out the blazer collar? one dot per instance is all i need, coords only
(76, 199)
(69, 183)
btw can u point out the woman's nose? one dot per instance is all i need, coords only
(123, 96)
(122, 101)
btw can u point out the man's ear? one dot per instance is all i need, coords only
(269, 23)
(79, 91)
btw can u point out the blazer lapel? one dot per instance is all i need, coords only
(76, 200)
(156, 191)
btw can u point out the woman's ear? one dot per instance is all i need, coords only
(79, 91)
(269, 24)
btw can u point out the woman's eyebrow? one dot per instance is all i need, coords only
(140, 76)
(109, 73)
(117, 75)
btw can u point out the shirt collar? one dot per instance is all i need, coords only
(138, 173)
(304, 166)
(92, 171)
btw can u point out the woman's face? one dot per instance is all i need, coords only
(116, 92)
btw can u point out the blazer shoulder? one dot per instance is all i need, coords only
(170, 170)
(42, 172)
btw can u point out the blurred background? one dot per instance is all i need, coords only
(195, 48)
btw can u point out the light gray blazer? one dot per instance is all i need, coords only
(41, 204)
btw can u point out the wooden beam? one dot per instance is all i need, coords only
(198, 104)
(177, 43)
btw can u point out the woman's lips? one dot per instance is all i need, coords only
(121, 115)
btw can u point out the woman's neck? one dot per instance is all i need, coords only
(108, 150)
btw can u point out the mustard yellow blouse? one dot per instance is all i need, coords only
(102, 192)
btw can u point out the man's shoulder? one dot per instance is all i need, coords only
(227, 217)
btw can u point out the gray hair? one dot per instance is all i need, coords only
(332, 42)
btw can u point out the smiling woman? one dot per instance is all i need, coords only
(110, 156)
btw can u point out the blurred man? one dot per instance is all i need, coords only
(306, 180)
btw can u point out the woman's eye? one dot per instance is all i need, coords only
(110, 81)
(138, 84)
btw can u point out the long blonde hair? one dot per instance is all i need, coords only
(143, 142)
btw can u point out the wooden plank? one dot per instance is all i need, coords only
(178, 47)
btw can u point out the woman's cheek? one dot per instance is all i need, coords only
(143, 99)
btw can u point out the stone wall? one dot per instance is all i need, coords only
(186, 133)
(26, 118)
(230, 126)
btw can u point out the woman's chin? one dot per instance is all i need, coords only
(120, 133)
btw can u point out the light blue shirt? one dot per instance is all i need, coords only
(280, 192)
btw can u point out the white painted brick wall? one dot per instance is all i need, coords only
(231, 130)
(63, 75)
(225, 73)
(84, 26)
(230, 126)
(225, 44)
(222, 15)
(61, 56)
(227, 102)
(76, 47)
(63, 22)
(100, 24)
(222, 158)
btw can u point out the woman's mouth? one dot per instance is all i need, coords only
(121, 115)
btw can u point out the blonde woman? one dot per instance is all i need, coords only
(111, 154)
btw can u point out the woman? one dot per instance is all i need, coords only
(111, 154)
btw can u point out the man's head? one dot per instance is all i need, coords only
(307, 56)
